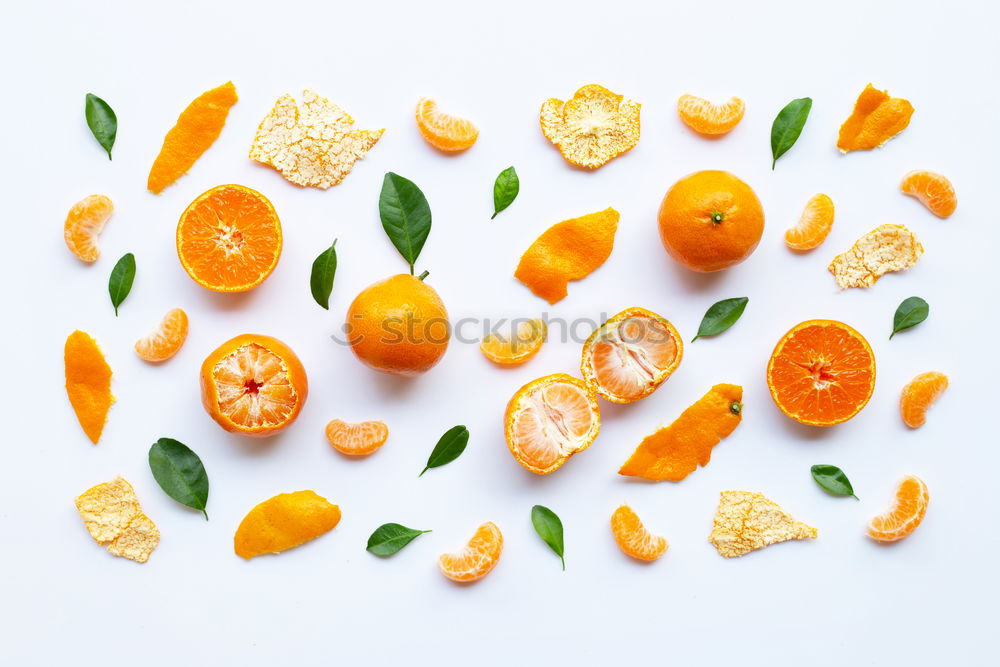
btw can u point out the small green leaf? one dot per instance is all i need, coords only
(324, 268)
(120, 282)
(505, 190)
(910, 313)
(406, 216)
(788, 126)
(550, 529)
(833, 480)
(180, 473)
(721, 315)
(449, 447)
(390, 538)
(102, 121)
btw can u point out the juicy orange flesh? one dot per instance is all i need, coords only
(632, 356)
(633, 538)
(520, 347)
(361, 438)
(907, 512)
(254, 388)
(477, 558)
(706, 117)
(918, 396)
(443, 131)
(932, 190)
(166, 339)
(84, 223)
(552, 422)
(814, 225)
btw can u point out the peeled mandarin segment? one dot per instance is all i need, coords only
(284, 521)
(708, 118)
(568, 250)
(593, 127)
(821, 373)
(876, 119)
(356, 439)
(746, 521)
(197, 128)
(113, 517)
(477, 558)
(633, 538)
(885, 249)
(229, 239)
(166, 340)
(675, 451)
(84, 223)
(550, 419)
(443, 132)
(814, 225)
(88, 383)
(631, 355)
(517, 349)
(918, 396)
(907, 512)
(932, 190)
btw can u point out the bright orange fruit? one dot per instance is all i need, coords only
(907, 512)
(821, 373)
(633, 538)
(932, 190)
(876, 119)
(629, 356)
(443, 132)
(477, 558)
(84, 223)
(166, 340)
(814, 225)
(518, 348)
(358, 439)
(88, 383)
(708, 118)
(550, 419)
(284, 521)
(918, 396)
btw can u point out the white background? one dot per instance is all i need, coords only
(840, 599)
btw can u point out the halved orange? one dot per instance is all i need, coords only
(477, 558)
(283, 522)
(229, 239)
(518, 348)
(932, 190)
(629, 356)
(906, 513)
(550, 419)
(84, 223)
(813, 226)
(821, 373)
(442, 131)
(709, 118)
(633, 538)
(166, 340)
(358, 439)
(918, 396)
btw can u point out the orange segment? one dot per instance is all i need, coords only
(932, 190)
(633, 538)
(518, 348)
(821, 373)
(675, 451)
(629, 356)
(876, 119)
(356, 439)
(814, 225)
(88, 383)
(166, 340)
(477, 558)
(84, 223)
(443, 132)
(708, 118)
(568, 250)
(229, 239)
(284, 521)
(906, 513)
(550, 419)
(197, 128)
(918, 396)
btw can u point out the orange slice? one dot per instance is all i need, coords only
(84, 223)
(283, 522)
(229, 239)
(253, 385)
(550, 419)
(906, 513)
(932, 190)
(814, 225)
(821, 373)
(876, 119)
(629, 356)
(918, 395)
(166, 340)
(197, 128)
(633, 538)
(708, 118)
(88, 383)
(518, 348)
(443, 132)
(356, 439)
(477, 558)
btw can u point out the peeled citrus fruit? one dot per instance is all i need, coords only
(444, 132)
(906, 513)
(88, 383)
(477, 558)
(708, 118)
(633, 538)
(166, 340)
(358, 439)
(876, 119)
(918, 396)
(518, 348)
(84, 223)
(932, 190)
(284, 521)
(813, 226)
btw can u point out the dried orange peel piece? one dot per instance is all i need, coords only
(166, 340)
(358, 439)
(283, 522)
(512, 350)
(197, 128)
(84, 223)
(746, 521)
(675, 451)
(88, 383)
(477, 558)
(442, 131)
(593, 127)
(885, 249)
(907, 512)
(708, 118)
(918, 396)
(568, 250)
(876, 119)
(113, 516)
(932, 190)
(813, 226)
(315, 145)
(633, 538)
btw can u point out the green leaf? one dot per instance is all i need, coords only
(406, 216)
(180, 473)
(120, 282)
(390, 538)
(505, 190)
(323, 270)
(833, 480)
(102, 121)
(449, 447)
(721, 315)
(910, 313)
(550, 529)
(788, 126)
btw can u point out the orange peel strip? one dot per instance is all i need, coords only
(876, 119)
(88, 383)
